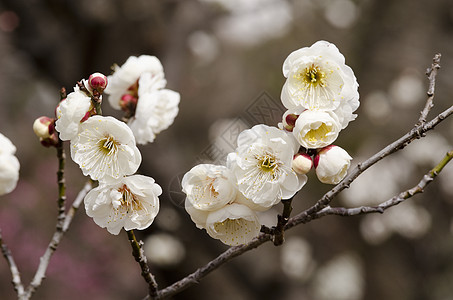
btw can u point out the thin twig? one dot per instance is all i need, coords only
(16, 279)
(139, 255)
(44, 260)
(419, 188)
(399, 144)
(61, 228)
(431, 73)
(76, 204)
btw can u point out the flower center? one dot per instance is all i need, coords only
(129, 201)
(108, 145)
(318, 134)
(312, 75)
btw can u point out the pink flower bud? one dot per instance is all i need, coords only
(332, 164)
(44, 127)
(97, 81)
(302, 163)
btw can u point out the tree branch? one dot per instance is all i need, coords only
(139, 255)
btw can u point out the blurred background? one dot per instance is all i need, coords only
(225, 59)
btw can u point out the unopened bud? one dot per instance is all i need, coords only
(97, 81)
(50, 141)
(302, 163)
(332, 164)
(289, 120)
(44, 127)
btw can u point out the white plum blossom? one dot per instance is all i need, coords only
(125, 79)
(70, 113)
(318, 78)
(208, 187)
(234, 224)
(316, 129)
(155, 112)
(131, 203)
(105, 149)
(262, 165)
(9, 166)
(332, 164)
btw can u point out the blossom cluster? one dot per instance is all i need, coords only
(320, 94)
(9, 166)
(138, 88)
(270, 163)
(105, 148)
(224, 199)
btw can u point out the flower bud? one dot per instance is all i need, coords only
(97, 81)
(332, 164)
(289, 120)
(52, 140)
(302, 163)
(44, 127)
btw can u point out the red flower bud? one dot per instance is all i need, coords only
(97, 81)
